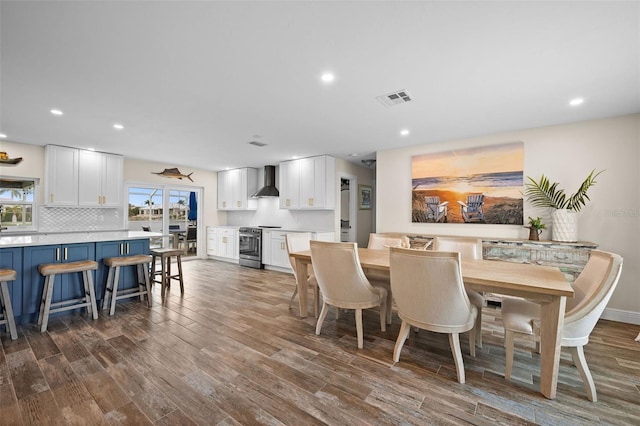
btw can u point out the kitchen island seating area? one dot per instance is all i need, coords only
(142, 263)
(6, 309)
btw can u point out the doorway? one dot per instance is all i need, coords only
(172, 210)
(347, 208)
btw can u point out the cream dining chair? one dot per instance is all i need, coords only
(593, 289)
(383, 242)
(343, 283)
(429, 294)
(299, 241)
(469, 249)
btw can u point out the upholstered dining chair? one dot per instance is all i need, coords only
(469, 249)
(383, 242)
(429, 293)
(343, 283)
(435, 211)
(299, 241)
(593, 289)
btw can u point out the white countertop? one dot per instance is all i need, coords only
(7, 241)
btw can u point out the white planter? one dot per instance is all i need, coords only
(564, 225)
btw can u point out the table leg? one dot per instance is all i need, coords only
(552, 319)
(301, 281)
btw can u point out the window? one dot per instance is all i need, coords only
(145, 208)
(17, 203)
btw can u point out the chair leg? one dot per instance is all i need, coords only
(316, 300)
(479, 328)
(147, 283)
(405, 328)
(92, 294)
(389, 307)
(359, 331)
(383, 315)
(454, 342)
(293, 296)
(8, 310)
(179, 261)
(108, 290)
(48, 289)
(508, 344)
(577, 353)
(472, 341)
(323, 314)
(114, 292)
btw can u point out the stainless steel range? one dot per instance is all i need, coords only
(250, 245)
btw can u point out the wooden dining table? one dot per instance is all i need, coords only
(542, 284)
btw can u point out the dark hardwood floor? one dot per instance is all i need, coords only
(231, 352)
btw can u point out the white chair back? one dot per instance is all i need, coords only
(298, 241)
(428, 290)
(593, 289)
(339, 274)
(469, 248)
(383, 242)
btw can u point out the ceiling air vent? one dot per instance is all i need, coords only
(395, 98)
(256, 143)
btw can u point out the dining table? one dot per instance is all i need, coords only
(545, 285)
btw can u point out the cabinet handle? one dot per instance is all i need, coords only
(127, 248)
(288, 203)
(281, 246)
(121, 249)
(57, 255)
(224, 204)
(51, 197)
(65, 254)
(311, 202)
(239, 203)
(99, 199)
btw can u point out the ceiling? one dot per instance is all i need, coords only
(194, 82)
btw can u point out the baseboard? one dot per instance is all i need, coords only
(618, 315)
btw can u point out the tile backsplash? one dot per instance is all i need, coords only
(70, 219)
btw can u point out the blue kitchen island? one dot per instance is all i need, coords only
(23, 253)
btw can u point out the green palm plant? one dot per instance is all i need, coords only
(543, 193)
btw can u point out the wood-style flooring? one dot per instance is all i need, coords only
(231, 352)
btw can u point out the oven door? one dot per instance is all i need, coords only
(250, 249)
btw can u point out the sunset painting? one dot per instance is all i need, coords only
(473, 185)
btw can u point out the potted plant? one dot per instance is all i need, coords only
(535, 228)
(543, 193)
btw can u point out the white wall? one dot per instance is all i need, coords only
(564, 153)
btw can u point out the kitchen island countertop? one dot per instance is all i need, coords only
(43, 239)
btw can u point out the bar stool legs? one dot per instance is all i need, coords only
(112, 294)
(5, 302)
(49, 271)
(165, 254)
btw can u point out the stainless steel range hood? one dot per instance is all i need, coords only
(269, 189)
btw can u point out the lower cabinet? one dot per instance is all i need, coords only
(68, 286)
(222, 242)
(274, 246)
(128, 274)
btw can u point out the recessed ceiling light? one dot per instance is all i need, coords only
(91, 149)
(404, 132)
(56, 112)
(328, 77)
(295, 157)
(118, 126)
(355, 154)
(2, 136)
(576, 101)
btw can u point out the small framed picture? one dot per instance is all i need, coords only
(364, 197)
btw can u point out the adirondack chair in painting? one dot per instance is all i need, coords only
(435, 211)
(473, 210)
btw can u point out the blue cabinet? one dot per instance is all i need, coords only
(128, 274)
(11, 258)
(68, 286)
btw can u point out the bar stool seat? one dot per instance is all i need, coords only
(49, 271)
(165, 255)
(111, 292)
(6, 309)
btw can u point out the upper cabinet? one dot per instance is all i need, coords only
(308, 183)
(76, 177)
(235, 188)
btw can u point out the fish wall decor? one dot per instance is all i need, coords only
(173, 173)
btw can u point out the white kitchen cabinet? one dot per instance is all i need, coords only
(235, 188)
(99, 179)
(222, 242)
(61, 176)
(308, 183)
(76, 177)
